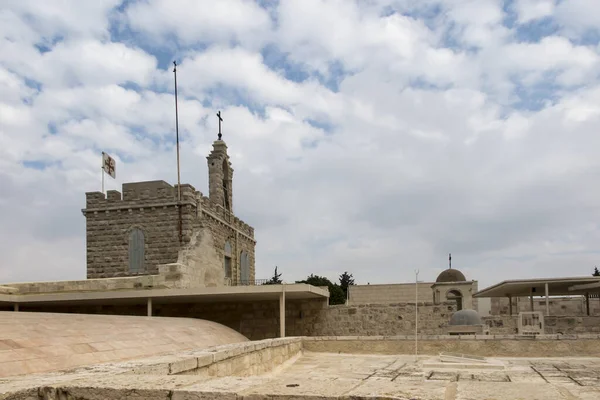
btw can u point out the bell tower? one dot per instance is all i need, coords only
(220, 173)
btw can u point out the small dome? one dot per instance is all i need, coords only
(466, 317)
(451, 275)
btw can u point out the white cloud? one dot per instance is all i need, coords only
(530, 10)
(201, 21)
(577, 17)
(418, 149)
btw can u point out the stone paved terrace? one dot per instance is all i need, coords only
(291, 368)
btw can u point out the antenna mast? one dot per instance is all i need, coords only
(177, 141)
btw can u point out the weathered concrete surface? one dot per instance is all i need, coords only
(41, 342)
(284, 369)
(343, 376)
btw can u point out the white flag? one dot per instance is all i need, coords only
(108, 164)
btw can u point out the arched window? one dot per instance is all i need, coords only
(136, 250)
(225, 185)
(455, 295)
(244, 268)
(227, 259)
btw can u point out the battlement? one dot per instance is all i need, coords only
(227, 216)
(136, 194)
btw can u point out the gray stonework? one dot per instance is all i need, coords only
(154, 208)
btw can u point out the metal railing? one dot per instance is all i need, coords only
(251, 282)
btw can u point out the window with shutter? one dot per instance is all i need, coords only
(136, 250)
(244, 269)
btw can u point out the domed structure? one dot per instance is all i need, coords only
(56, 342)
(465, 317)
(450, 275)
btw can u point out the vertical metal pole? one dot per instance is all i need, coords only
(16, 307)
(149, 306)
(547, 299)
(416, 315)
(102, 172)
(177, 131)
(510, 305)
(177, 140)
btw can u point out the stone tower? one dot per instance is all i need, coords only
(220, 176)
(137, 233)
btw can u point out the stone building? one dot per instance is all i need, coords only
(154, 223)
(450, 286)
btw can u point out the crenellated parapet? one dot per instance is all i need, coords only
(140, 195)
(212, 208)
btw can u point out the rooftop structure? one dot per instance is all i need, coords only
(542, 287)
(153, 223)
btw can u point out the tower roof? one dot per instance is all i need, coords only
(451, 275)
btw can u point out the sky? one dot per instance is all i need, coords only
(373, 137)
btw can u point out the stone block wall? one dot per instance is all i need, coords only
(225, 227)
(378, 320)
(385, 294)
(153, 209)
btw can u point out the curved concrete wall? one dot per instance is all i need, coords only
(41, 342)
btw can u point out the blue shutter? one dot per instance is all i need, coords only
(136, 250)
(244, 270)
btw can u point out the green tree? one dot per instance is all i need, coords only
(346, 280)
(275, 280)
(336, 294)
(596, 272)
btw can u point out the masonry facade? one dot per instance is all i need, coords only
(153, 223)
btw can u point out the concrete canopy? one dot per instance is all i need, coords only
(537, 287)
(164, 296)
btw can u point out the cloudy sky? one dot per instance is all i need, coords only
(373, 137)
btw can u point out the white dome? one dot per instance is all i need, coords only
(466, 317)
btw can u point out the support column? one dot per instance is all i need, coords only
(510, 305)
(16, 307)
(149, 307)
(587, 303)
(547, 299)
(282, 312)
(531, 299)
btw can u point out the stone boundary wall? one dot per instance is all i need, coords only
(393, 293)
(238, 359)
(375, 320)
(486, 345)
(169, 276)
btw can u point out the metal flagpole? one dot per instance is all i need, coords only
(177, 140)
(102, 172)
(416, 314)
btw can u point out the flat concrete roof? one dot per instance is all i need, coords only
(298, 291)
(523, 287)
